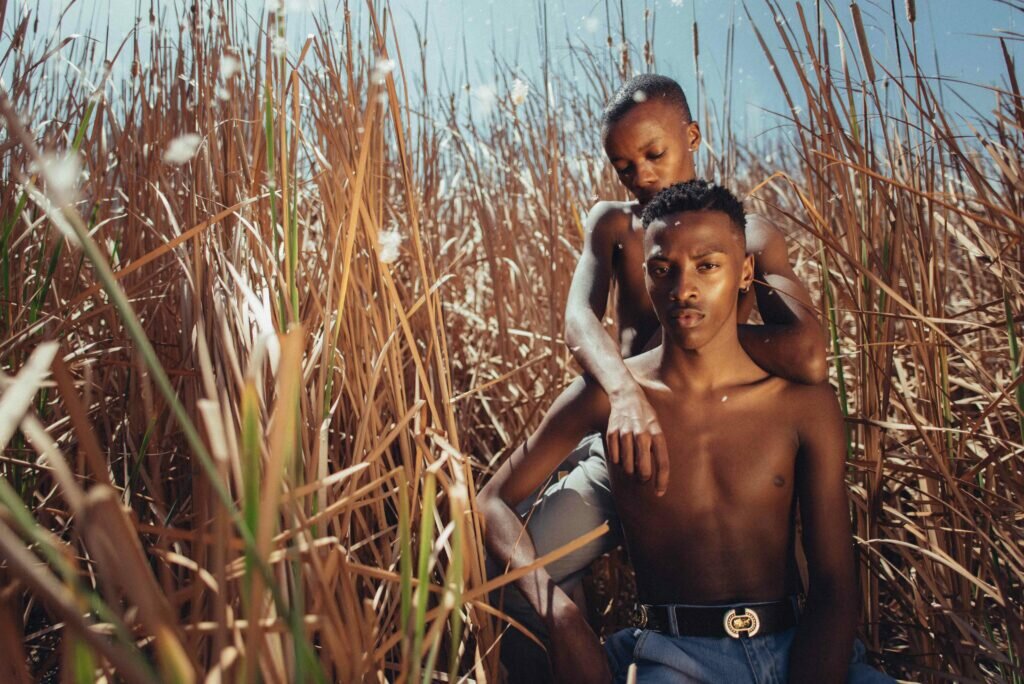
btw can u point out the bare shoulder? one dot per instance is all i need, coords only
(812, 408)
(762, 235)
(610, 220)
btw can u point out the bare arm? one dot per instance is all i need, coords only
(576, 652)
(589, 342)
(633, 432)
(824, 640)
(790, 343)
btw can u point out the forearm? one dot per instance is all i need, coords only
(824, 641)
(597, 353)
(788, 351)
(796, 347)
(511, 547)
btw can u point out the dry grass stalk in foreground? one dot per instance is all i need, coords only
(356, 306)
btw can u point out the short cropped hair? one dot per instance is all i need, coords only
(643, 88)
(696, 195)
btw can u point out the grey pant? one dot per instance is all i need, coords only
(571, 507)
(565, 510)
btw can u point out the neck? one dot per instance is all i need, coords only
(722, 362)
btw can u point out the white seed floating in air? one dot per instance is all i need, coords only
(724, 397)
(389, 241)
(182, 148)
(519, 92)
(484, 97)
(61, 174)
(639, 96)
(279, 46)
(229, 66)
(591, 24)
(381, 68)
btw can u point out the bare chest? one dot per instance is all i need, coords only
(727, 453)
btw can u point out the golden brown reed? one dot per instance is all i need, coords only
(281, 485)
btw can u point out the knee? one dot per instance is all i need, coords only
(564, 515)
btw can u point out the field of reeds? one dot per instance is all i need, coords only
(269, 317)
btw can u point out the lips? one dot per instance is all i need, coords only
(686, 317)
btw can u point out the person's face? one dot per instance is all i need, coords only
(651, 148)
(695, 267)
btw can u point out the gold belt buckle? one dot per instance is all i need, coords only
(746, 624)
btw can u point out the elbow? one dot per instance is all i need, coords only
(571, 331)
(813, 364)
(815, 370)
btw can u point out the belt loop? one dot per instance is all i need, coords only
(673, 623)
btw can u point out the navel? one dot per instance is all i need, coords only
(778, 481)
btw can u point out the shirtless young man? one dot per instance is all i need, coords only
(649, 137)
(714, 550)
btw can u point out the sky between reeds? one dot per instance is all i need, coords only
(469, 42)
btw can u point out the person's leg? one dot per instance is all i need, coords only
(861, 672)
(664, 659)
(566, 510)
(619, 647)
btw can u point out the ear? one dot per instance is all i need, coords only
(693, 136)
(747, 272)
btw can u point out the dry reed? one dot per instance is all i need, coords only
(282, 365)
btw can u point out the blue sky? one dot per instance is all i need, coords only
(957, 34)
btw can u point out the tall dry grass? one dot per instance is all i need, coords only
(242, 434)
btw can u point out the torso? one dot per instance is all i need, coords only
(724, 531)
(633, 309)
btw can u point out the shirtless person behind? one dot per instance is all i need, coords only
(649, 137)
(714, 555)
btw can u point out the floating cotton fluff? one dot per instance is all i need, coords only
(279, 46)
(381, 68)
(484, 97)
(182, 148)
(388, 242)
(591, 24)
(677, 3)
(61, 174)
(229, 66)
(519, 92)
(639, 96)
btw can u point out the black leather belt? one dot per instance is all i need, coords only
(719, 621)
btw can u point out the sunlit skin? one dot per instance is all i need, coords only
(651, 148)
(750, 448)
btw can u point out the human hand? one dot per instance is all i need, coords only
(635, 439)
(576, 653)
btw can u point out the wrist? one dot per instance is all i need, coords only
(627, 390)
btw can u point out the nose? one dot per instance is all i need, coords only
(684, 287)
(645, 175)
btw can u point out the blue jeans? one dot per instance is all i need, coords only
(665, 659)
